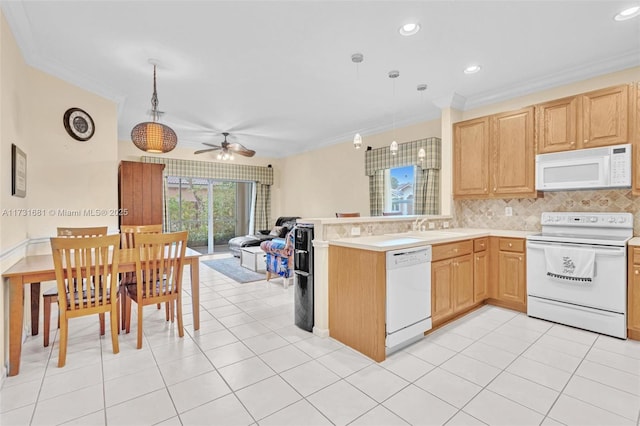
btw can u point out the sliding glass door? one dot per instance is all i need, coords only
(213, 211)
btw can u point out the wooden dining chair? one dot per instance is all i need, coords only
(347, 214)
(94, 261)
(51, 295)
(127, 241)
(159, 264)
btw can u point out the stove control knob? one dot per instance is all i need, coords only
(593, 219)
(612, 219)
(622, 219)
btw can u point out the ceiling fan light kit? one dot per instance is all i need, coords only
(152, 136)
(227, 149)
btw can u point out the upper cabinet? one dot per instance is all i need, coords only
(494, 156)
(636, 146)
(589, 120)
(471, 165)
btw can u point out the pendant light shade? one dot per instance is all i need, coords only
(152, 136)
(357, 141)
(393, 148)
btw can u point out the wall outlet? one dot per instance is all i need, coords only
(508, 211)
(432, 225)
(445, 225)
(355, 231)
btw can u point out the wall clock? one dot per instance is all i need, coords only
(78, 124)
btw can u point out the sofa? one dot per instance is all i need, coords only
(279, 257)
(283, 225)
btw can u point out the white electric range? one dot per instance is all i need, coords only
(577, 270)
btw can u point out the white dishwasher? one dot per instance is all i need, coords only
(408, 296)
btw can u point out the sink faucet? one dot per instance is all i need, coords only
(418, 222)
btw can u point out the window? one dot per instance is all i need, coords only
(399, 189)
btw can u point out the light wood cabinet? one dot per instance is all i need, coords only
(480, 270)
(588, 120)
(494, 156)
(452, 286)
(509, 271)
(633, 296)
(471, 164)
(513, 153)
(140, 193)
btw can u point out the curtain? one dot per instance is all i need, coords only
(427, 185)
(262, 207)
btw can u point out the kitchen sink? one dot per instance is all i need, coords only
(428, 235)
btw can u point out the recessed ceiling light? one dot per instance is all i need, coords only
(472, 69)
(628, 13)
(409, 29)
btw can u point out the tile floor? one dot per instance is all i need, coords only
(249, 365)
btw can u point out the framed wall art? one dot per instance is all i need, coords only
(18, 172)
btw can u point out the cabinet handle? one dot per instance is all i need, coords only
(586, 141)
(637, 271)
(494, 188)
(455, 250)
(478, 258)
(485, 189)
(572, 143)
(510, 245)
(519, 257)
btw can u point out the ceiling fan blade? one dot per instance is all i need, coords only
(236, 146)
(206, 150)
(245, 152)
(211, 145)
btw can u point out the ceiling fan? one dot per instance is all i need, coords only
(227, 149)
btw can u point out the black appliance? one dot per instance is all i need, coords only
(303, 276)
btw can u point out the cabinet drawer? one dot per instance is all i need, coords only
(480, 244)
(636, 256)
(445, 251)
(511, 244)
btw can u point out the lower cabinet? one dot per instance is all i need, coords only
(480, 269)
(452, 286)
(510, 273)
(633, 288)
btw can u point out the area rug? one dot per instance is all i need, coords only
(230, 266)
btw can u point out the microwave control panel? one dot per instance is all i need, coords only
(621, 166)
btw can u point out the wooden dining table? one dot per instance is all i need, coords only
(32, 270)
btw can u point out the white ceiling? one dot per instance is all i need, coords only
(278, 75)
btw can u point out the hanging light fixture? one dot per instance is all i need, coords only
(421, 152)
(152, 136)
(357, 58)
(393, 148)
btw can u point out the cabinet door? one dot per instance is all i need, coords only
(442, 303)
(471, 157)
(140, 193)
(480, 276)
(463, 282)
(605, 116)
(557, 125)
(511, 277)
(633, 288)
(513, 152)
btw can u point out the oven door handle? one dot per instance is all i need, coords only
(600, 250)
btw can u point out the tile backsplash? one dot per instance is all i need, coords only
(526, 212)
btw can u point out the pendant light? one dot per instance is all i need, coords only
(357, 58)
(151, 136)
(421, 152)
(393, 148)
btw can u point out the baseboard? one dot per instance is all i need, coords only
(321, 332)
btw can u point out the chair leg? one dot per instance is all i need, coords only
(114, 320)
(140, 325)
(128, 313)
(167, 311)
(101, 323)
(123, 307)
(159, 306)
(47, 320)
(64, 333)
(179, 314)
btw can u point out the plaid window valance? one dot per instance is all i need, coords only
(205, 169)
(381, 158)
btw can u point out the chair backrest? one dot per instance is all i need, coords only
(90, 260)
(128, 233)
(347, 214)
(392, 213)
(159, 263)
(95, 231)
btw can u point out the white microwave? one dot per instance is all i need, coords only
(594, 168)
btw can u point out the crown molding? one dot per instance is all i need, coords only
(611, 64)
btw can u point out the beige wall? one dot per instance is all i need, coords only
(62, 173)
(328, 180)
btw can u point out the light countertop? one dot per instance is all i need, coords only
(422, 238)
(635, 241)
